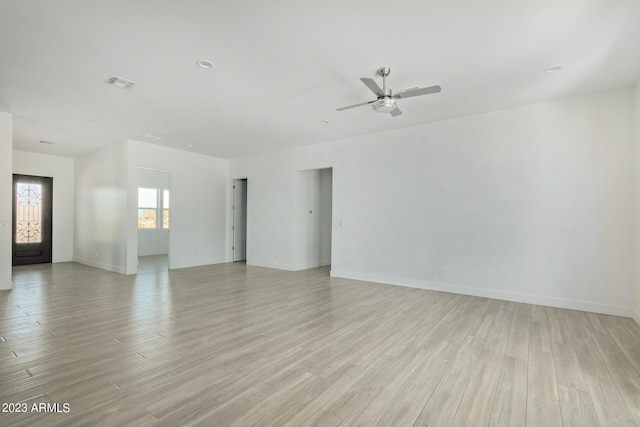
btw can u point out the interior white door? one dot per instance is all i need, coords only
(240, 220)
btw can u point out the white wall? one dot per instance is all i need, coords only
(527, 204)
(313, 216)
(100, 233)
(636, 260)
(6, 180)
(153, 241)
(199, 189)
(61, 170)
(271, 207)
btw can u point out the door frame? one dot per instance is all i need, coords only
(302, 208)
(159, 210)
(233, 218)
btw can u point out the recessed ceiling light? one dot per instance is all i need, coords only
(553, 69)
(203, 63)
(189, 145)
(47, 142)
(324, 122)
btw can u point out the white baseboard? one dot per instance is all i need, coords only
(6, 287)
(313, 265)
(102, 266)
(270, 265)
(153, 253)
(570, 304)
(212, 262)
(636, 316)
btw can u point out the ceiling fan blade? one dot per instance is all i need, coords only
(395, 112)
(356, 105)
(372, 85)
(417, 92)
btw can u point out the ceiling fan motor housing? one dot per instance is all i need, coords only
(384, 105)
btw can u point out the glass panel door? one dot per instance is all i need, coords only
(32, 219)
(28, 213)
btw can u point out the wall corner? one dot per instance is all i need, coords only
(635, 306)
(6, 194)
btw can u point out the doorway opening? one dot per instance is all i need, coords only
(314, 218)
(153, 220)
(239, 215)
(32, 219)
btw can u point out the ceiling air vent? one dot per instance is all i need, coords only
(120, 82)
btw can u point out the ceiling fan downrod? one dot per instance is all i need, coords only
(384, 72)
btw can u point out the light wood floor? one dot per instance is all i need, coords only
(235, 345)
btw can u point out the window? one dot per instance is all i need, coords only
(165, 207)
(149, 202)
(147, 207)
(28, 213)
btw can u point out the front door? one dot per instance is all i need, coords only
(31, 219)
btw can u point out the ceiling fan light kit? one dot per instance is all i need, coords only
(384, 105)
(386, 100)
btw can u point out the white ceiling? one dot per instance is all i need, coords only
(282, 66)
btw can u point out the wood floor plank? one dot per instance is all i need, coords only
(612, 354)
(413, 398)
(496, 342)
(566, 367)
(539, 335)
(608, 403)
(628, 383)
(591, 361)
(631, 327)
(441, 407)
(557, 326)
(510, 402)
(543, 407)
(320, 418)
(576, 407)
(477, 400)
(518, 341)
(627, 345)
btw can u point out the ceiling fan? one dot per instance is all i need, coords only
(386, 100)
